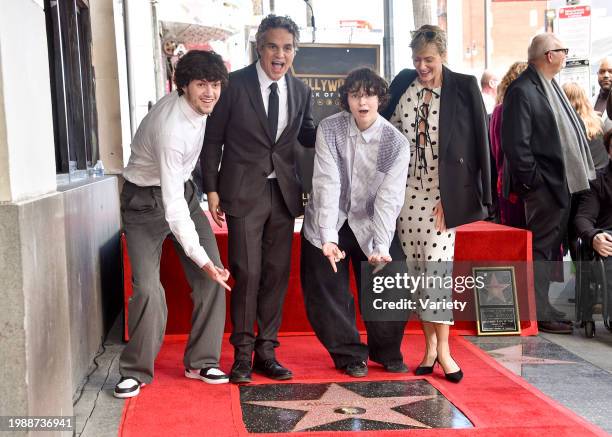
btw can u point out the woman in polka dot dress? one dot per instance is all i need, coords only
(442, 192)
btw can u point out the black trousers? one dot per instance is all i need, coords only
(548, 223)
(259, 249)
(330, 306)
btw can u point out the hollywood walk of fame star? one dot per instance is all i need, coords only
(339, 403)
(512, 358)
(495, 290)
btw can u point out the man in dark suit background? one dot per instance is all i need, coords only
(253, 133)
(549, 161)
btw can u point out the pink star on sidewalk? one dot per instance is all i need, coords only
(339, 403)
(512, 358)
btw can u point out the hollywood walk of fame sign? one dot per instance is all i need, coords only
(354, 406)
(496, 302)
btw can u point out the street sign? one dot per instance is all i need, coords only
(574, 29)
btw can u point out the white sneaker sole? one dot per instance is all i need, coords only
(207, 380)
(127, 395)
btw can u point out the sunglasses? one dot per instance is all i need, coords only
(429, 34)
(565, 51)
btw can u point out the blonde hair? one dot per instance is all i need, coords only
(583, 107)
(513, 72)
(429, 34)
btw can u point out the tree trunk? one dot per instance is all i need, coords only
(257, 7)
(422, 12)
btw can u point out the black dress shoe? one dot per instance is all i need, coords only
(272, 369)
(425, 370)
(356, 369)
(555, 327)
(241, 372)
(396, 367)
(557, 315)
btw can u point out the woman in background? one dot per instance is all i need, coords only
(592, 122)
(511, 208)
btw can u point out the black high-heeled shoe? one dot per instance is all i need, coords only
(454, 376)
(425, 370)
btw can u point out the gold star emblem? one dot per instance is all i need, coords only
(495, 291)
(339, 403)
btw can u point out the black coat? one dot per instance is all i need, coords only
(594, 213)
(237, 136)
(465, 169)
(530, 139)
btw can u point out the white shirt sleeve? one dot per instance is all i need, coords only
(170, 155)
(389, 202)
(325, 190)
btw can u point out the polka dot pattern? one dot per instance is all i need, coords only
(416, 225)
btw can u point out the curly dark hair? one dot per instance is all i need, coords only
(199, 65)
(275, 22)
(367, 80)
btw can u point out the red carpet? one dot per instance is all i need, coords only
(496, 401)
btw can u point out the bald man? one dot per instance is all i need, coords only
(549, 161)
(604, 77)
(488, 87)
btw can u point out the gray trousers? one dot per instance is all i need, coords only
(146, 229)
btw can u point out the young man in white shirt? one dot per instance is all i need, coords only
(159, 200)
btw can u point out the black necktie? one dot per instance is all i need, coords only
(273, 110)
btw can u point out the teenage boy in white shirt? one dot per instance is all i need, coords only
(358, 187)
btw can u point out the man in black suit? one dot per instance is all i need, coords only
(253, 134)
(549, 160)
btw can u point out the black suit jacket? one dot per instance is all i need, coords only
(530, 138)
(465, 169)
(237, 136)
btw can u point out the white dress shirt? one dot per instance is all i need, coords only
(604, 115)
(283, 110)
(165, 151)
(489, 102)
(359, 176)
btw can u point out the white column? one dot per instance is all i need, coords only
(140, 58)
(108, 58)
(27, 151)
(403, 24)
(454, 11)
